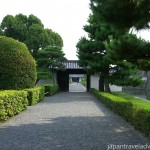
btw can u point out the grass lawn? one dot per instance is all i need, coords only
(135, 101)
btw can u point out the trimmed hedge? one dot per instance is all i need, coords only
(35, 94)
(50, 89)
(17, 66)
(138, 116)
(11, 103)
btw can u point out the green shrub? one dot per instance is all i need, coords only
(42, 91)
(50, 89)
(134, 100)
(11, 103)
(35, 94)
(3, 114)
(138, 116)
(17, 66)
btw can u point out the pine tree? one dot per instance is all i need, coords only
(122, 17)
(93, 57)
(49, 59)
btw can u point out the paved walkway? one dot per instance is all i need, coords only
(76, 87)
(67, 121)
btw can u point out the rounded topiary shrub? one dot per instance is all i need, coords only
(17, 66)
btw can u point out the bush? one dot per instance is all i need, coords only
(11, 103)
(35, 94)
(42, 92)
(50, 89)
(17, 66)
(3, 114)
(138, 116)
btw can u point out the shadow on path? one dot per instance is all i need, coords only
(68, 133)
(67, 121)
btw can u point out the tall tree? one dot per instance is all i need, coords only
(1, 32)
(34, 20)
(49, 59)
(54, 38)
(123, 16)
(36, 38)
(30, 30)
(8, 25)
(21, 27)
(93, 56)
(130, 48)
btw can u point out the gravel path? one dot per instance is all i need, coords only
(68, 121)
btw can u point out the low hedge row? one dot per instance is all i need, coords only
(138, 116)
(50, 89)
(12, 101)
(35, 94)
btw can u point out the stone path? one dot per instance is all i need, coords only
(68, 121)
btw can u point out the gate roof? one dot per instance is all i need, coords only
(72, 64)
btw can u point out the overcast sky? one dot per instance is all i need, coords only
(65, 17)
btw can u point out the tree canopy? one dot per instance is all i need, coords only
(123, 14)
(123, 17)
(30, 30)
(49, 59)
(44, 44)
(111, 50)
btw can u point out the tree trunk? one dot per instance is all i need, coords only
(106, 81)
(101, 83)
(107, 88)
(148, 81)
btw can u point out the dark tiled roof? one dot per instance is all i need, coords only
(72, 64)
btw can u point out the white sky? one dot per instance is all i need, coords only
(66, 17)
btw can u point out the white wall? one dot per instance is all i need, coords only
(115, 88)
(95, 81)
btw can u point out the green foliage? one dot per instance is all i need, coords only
(31, 31)
(136, 111)
(32, 19)
(130, 48)
(111, 50)
(123, 15)
(37, 38)
(124, 74)
(9, 23)
(3, 114)
(43, 73)
(50, 89)
(42, 92)
(84, 81)
(51, 56)
(21, 28)
(17, 66)
(35, 94)
(1, 32)
(136, 101)
(11, 103)
(94, 56)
